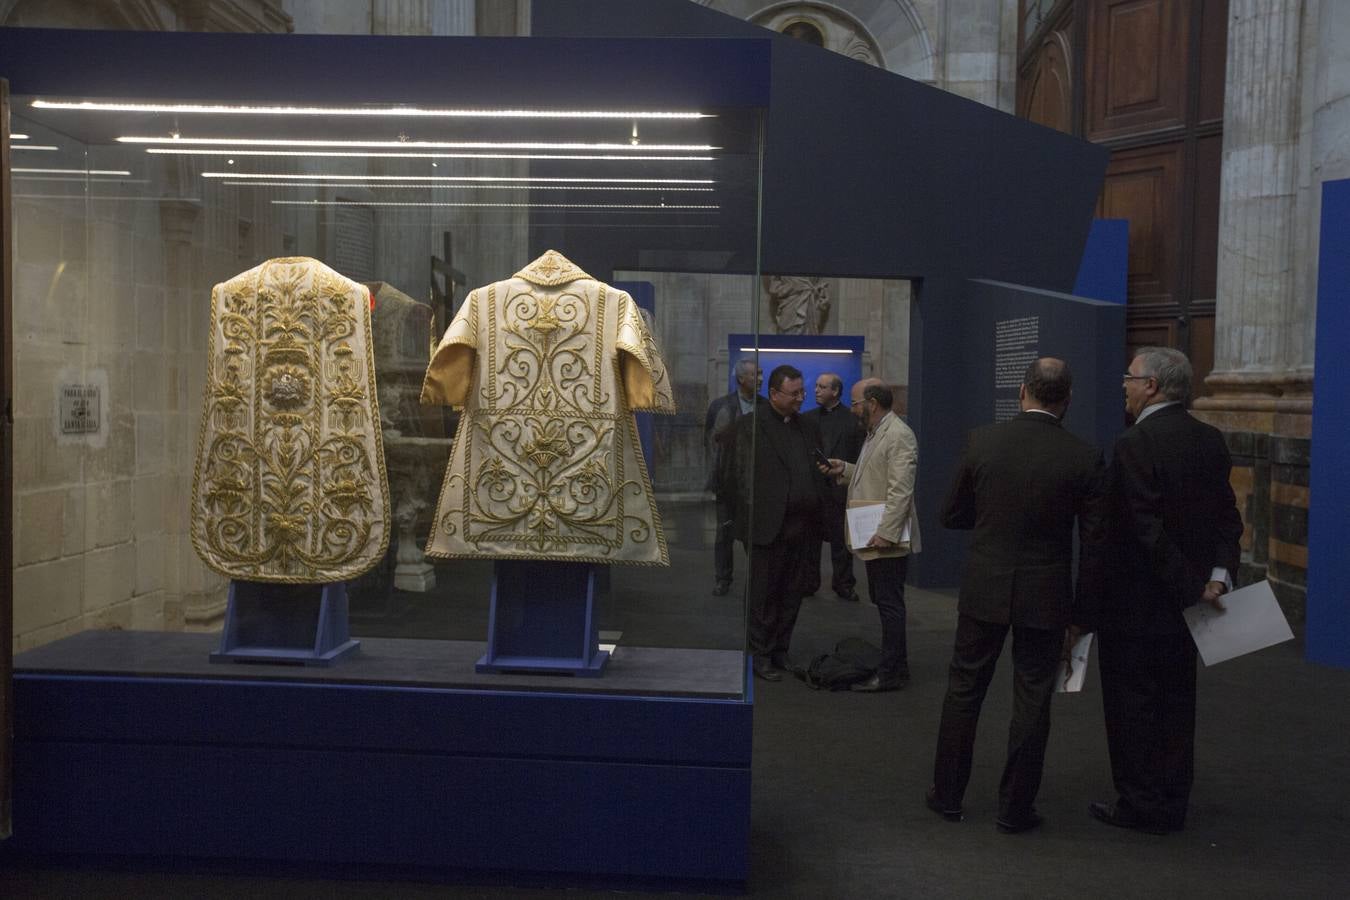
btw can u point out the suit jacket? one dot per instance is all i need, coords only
(718, 435)
(760, 475)
(1173, 519)
(1021, 485)
(885, 472)
(842, 437)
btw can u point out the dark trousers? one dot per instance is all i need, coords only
(724, 541)
(1148, 696)
(842, 579)
(777, 579)
(886, 585)
(1036, 661)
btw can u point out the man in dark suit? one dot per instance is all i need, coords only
(1174, 531)
(1021, 486)
(719, 427)
(778, 508)
(842, 436)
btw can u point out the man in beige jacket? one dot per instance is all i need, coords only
(884, 475)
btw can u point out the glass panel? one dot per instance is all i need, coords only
(134, 211)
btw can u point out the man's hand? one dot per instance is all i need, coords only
(834, 469)
(880, 543)
(1213, 591)
(1071, 636)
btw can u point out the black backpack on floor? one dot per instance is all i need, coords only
(852, 661)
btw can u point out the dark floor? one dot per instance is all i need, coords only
(839, 779)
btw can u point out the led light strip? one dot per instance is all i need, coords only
(71, 171)
(495, 205)
(18, 137)
(358, 155)
(425, 145)
(35, 147)
(465, 187)
(317, 176)
(246, 110)
(795, 350)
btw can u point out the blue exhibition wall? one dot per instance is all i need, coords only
(814, 354)
(1328, 632)
(1000, 329)
(1106, 261)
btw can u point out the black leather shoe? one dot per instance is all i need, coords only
(781, 662)
(722, 588)
(878, 684)
(851, 596)
(1112, 814)
(1032, 820)
(951, 814)
(764, 669)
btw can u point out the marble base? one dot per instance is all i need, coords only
(416, 577)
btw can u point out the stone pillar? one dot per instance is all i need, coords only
(1261, 383)
(443, 17)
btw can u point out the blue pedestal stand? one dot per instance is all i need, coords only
(542, 619)
(297, 624)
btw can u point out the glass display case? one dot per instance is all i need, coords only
(130, 209)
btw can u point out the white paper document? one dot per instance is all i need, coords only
(863, 522)
(1252, 621)
(1072, 682)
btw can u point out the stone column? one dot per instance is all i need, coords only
(443, 17)
(1261, 384)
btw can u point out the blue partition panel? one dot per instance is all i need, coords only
(1106, 261)
(814, 354)
(1328, 634)
(566, 785)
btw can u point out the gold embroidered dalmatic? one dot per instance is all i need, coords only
(290, 481)
(548, 367)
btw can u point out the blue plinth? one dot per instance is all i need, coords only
(295, 624)
(542, 620)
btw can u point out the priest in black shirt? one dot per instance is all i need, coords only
(778, 514)
(841, 438)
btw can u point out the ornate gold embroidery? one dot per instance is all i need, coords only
(539, 464)
(290, 482)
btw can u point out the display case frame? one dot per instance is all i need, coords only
(268, 765)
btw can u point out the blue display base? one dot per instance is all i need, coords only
(565, 787)
(542, 620)
(285, 624)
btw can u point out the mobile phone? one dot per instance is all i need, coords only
(820, 457)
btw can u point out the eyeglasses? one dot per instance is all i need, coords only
(1128, 377)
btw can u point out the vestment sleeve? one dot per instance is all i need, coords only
(450, 373)
(642, 367)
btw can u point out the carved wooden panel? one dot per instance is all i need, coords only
(1153, 333)
(1201, 350)
(1136, 66)
(1048, 87)
(1205, 218)
(1142, 186)
(1213, 59)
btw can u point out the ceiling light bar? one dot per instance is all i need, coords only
(35, 147)
(426, 145)
(18, 137)
(466, 187)
(358, 155)
(71, 171)
(495, 205)
(394, 111)
(794, 350)
(315, 176)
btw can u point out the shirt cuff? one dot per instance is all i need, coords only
(1221, 574)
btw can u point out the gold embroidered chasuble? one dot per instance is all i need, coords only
(290, 481)
(548, 367)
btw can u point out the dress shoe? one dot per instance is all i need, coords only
(1031, 820)
(879, 683)
(764, 669)
(951, 814)
(722, 588)
(781, 662)
(849, 596)
(1112, 814)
